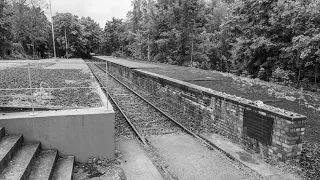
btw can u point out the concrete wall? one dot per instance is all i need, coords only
(221, 113)
(83, 133)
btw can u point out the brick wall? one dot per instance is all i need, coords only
(216, 112)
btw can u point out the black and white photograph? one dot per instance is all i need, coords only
(159, 89)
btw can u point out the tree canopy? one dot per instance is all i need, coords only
(243, 36)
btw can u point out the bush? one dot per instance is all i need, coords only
(116, 54)
(281, 76)
(159, 58)
(262, 74)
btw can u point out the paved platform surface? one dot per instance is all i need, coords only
(130, 63)
(135, 163)
(189, 160)
(251, 161)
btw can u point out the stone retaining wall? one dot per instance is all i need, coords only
(221, 113)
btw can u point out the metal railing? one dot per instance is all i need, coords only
(31, 89)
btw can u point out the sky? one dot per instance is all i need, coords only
(99, 10)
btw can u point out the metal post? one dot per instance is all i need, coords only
(30, 85)
(54, 44)
(105, 86)
(148, 47)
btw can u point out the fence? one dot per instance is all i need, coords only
(27, 83)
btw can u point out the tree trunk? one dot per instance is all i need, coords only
(299, 74)
(148, 47)
(315, 73)
(192, 52)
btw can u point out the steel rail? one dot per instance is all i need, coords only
(162, 170)
(143, 140)
(199, 137)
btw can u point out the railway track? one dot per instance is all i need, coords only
(144, 118)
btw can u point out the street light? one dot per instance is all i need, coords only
(54, 44)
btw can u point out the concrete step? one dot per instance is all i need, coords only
(2, 132)
(44, 165)
(9, 145)
(64, 168)
(20, 166)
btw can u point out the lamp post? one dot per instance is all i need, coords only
(54, 44)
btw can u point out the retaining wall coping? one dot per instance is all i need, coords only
(70, 112)
(227, 97)
(255, 105)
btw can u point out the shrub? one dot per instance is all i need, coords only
(159, 58)
(262, 74)
(281, 76)
(116, 54)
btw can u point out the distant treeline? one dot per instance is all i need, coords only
(275, 40)
(24, 27)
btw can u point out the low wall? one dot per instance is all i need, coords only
(273, 132)
(82, 133)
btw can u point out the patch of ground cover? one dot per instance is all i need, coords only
(17, 77)
(96, 168)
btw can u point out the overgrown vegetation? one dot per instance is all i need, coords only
(226, 35)
(25, 31)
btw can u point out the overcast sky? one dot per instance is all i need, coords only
(99, 10)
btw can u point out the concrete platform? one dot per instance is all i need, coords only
(135, 163)
(251, 161)
(43, 98)
(189, 160)
(130, 63)
(80, 132)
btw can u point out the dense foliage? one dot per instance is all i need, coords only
(5, 28)
(25, 29)
(244, 36)
(79, 36)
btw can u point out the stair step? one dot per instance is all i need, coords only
(64, 168)
(20, 166)
(2, 132)
(9, 145)
(44, 165)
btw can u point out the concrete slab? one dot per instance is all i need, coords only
(251, 161)
(135, 163)
(129, 63)
(188, 159)
(80, 132)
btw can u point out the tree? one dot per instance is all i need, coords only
(6, 34)
(77, 36)
(31, 27)
(112, 35)
(69, 34)
(92, 35)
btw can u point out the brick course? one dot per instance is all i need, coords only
(222, 113)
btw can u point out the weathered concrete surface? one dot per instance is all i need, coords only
(251, 161)
(128, 63)
(135, 163)
(81, 132)
(188, 159)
